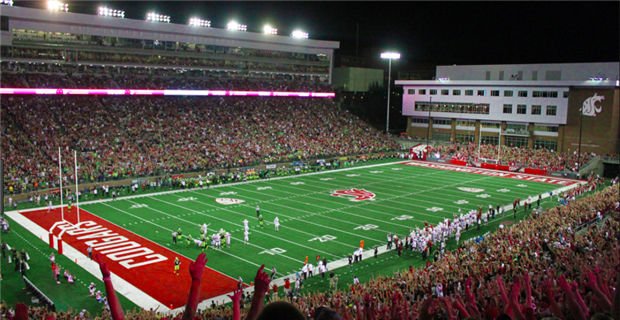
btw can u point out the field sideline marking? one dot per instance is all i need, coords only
(219, 185)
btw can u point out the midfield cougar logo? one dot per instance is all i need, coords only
(227, 201)
(589, 107)
(359, 194)
(470, 189)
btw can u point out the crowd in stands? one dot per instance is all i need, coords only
(558, 264)
(145, 136)
(543, 159)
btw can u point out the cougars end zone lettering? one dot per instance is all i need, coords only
(112, 245)
(357, 194)
(145, 264)
(493, 173)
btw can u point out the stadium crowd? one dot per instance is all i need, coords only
(558, 264)
(139, 136)
(529, 158)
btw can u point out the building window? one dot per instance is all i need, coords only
(507, 93)
(411, 91)
(456, 92)
(537, 110)
(516, 142)
(544, 94)
(523, 94)
(466, 123)
(490, 140)
(422, 91)
(565, 94)
(494, 125)
(445, 92)
(442, 136)
(544, 144)
(445, 122)
(469, 92)
(481, 93)
(433, 92)
(464, 137)
(544, 128)
(419, 120)
(508, 108)
(521, 109)
(494, 93)
(552, 110)
(452, 107)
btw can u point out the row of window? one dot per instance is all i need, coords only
(510, 141)
(493, 93)
(453, 107)
(516, 127)
(535, 110)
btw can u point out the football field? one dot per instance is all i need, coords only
(324, 214)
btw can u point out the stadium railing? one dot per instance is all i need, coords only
(40, 296)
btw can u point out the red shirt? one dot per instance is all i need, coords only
(287, 284)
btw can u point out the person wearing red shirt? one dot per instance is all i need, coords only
(287, 286)
(275, 290)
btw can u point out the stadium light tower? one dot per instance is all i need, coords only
(299, 34)
(7, 2)
(269, 30)
(389, 56)
(57, 6)
(197, 22)
(152, 16)
(236, 27)
(107, 12)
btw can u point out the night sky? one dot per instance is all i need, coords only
(424, 32)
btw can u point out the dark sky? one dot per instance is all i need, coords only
(434, 32)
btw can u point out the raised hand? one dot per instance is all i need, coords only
(261, 281)
(105, 272)
(196, 269)
(236, 297)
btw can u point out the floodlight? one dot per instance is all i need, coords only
(107, 12)
(157, 17)
(7, 2)
(236, 27)
(299, 34)
(57, 6)
(270, 30)
(197, 22)
(390, 55)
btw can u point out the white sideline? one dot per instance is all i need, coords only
(123, 287)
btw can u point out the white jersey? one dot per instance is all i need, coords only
(245, 235)
(245, 224)
(227, 238)
(276, 222)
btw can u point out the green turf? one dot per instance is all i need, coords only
(64, 295)
(308, 211)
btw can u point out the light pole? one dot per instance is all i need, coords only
(389, 56)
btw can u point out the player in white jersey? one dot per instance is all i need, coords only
(246, 239)
(245, 225)
(228, 239)
(205, 227)
(276, 222)
(50, 207)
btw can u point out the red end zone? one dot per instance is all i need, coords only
(145, 264)
(494, 173)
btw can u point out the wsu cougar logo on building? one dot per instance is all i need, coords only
(589, 107)
(358, 194)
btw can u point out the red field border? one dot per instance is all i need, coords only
(144, 264)
(494, 173)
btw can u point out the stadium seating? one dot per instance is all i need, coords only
(129, 136)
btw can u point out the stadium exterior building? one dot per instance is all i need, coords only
(93, 41)
(533, 105)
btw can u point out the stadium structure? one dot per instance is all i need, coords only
(89, 42)
(524, 105)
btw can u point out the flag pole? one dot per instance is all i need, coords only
(62, 214)
(77, 194)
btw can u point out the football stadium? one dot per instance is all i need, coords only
(156, 170)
